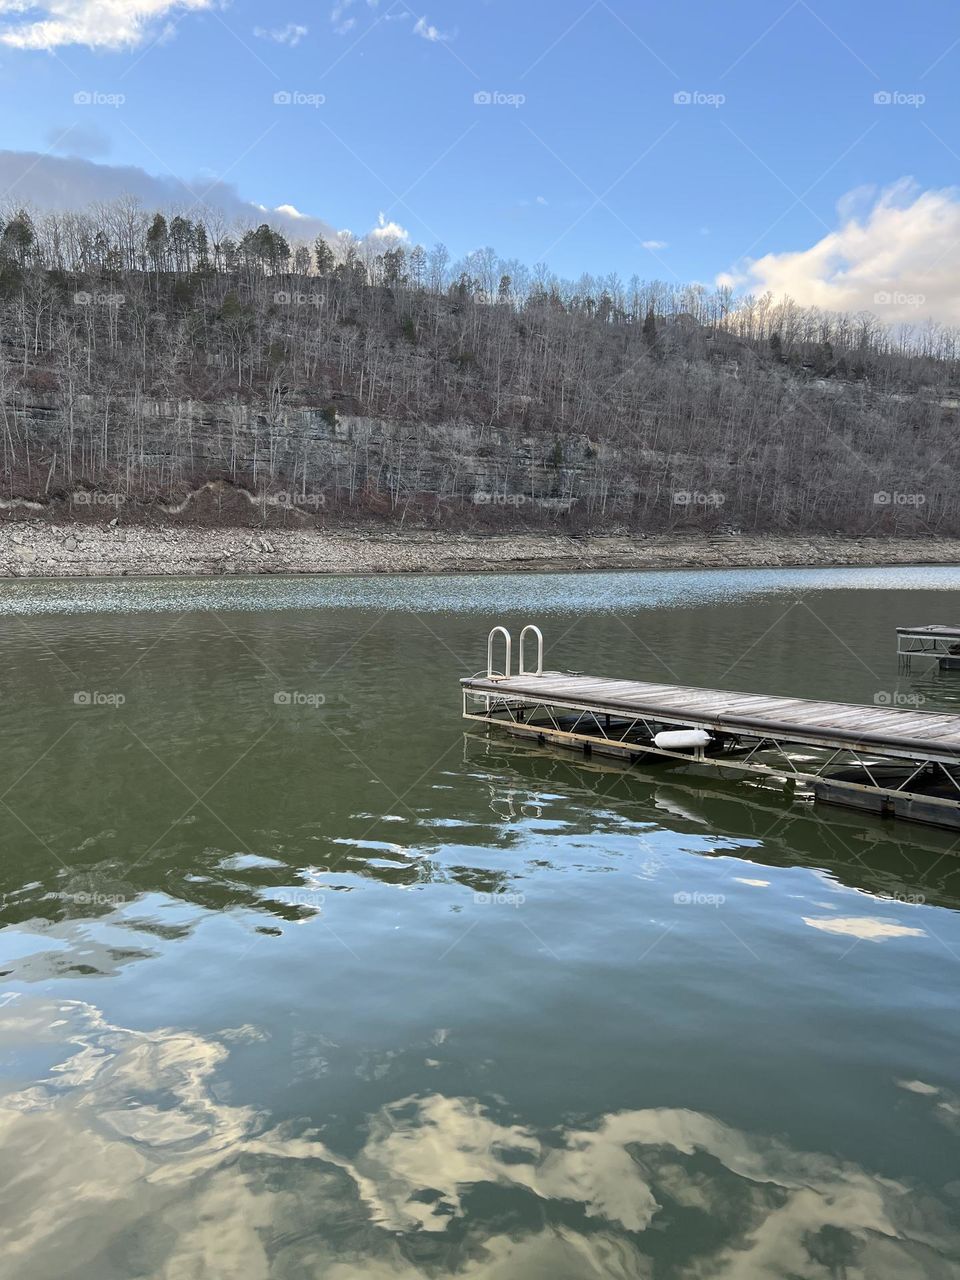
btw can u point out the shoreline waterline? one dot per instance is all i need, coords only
(80, 550)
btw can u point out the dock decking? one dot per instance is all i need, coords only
(845, 722)
(879, 757)
(933, 640)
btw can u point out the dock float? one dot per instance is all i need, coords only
(900, 763)
(935, 640)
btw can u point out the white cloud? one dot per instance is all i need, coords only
(654, 244)
(427, 31)
(893, 254)
(86, 141)
(542, 200)
(291, 34)
(290, 211)
(385, 230)
(341, 19)
(71, 183)
(338, 16)
(98, 24)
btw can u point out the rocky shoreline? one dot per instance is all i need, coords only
(76, 550)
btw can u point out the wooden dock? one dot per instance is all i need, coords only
(934, 640)
(900, 762)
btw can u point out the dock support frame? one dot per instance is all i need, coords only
(791, 755)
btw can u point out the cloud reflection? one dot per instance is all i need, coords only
(866, 928)
(126, 1159)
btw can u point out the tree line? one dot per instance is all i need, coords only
(155, 356)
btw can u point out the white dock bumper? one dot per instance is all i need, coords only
(681, 739)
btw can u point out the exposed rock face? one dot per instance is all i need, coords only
(335, 462)
(232, 464)
(37, 548)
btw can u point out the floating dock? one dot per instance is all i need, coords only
(935, 640)
(895, 762)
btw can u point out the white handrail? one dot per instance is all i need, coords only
(508, 646)
(539, 634)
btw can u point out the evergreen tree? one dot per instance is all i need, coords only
(181, 242)
(823, 360)
(157, 242)
(18, 238)
(650, 330)
(201, 247)
(392, 263)
(323, 256)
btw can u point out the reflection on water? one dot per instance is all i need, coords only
(127, 1139)
(890, 861)
(324, 985)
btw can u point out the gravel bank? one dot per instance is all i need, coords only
(29, 549)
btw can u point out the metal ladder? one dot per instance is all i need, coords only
(508, 651)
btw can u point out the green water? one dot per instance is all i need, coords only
(325, 986)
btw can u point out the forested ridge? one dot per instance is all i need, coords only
(173, 368)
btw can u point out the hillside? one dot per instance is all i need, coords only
(172, 371)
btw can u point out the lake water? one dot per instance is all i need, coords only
(300, 979)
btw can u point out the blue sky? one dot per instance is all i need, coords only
(592, 166)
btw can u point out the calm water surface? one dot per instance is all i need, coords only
(302, 980)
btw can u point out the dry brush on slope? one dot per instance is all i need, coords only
(172, 368)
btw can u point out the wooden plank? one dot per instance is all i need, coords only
(678, 700)
(763, 708)
(843, 719)
(944, 732)
(875, 716)
(917, 728)
(568, 685)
